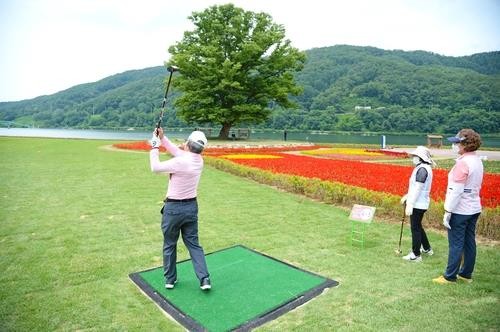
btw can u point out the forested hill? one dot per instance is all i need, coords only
(345, 88)
(335, 76)
(124, 99)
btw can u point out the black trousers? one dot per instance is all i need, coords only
(418, 236)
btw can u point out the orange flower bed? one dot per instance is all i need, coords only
(138, 146)
(396, 154)
(343, 151)
(249, 156)
(144, 146)
(355, 153)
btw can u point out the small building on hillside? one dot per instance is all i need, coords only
(361, 108)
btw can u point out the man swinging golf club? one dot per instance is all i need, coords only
(180, 212)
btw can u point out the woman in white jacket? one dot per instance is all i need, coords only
(417, 202)
(462, 207)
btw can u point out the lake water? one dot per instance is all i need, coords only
(303, 136)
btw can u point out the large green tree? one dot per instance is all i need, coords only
(235, 64)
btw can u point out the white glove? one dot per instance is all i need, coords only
(155, 142)
(408, 209)
(403, 199)
(446, 220)
(411, 197)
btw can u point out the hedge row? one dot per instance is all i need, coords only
(388, 206)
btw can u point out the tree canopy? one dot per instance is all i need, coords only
(234, 65)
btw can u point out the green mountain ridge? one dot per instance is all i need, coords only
(345, 88)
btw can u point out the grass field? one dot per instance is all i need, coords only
(76, 219)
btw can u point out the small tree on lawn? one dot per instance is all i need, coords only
(233, 65)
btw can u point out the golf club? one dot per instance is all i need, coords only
(171, 69)
(398, 250)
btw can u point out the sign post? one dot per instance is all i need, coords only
(361, 215)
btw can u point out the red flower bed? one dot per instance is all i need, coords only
(144, 146)
(392, 179)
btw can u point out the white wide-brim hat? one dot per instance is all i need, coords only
(423, 153)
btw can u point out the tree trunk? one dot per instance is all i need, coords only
(224, 132)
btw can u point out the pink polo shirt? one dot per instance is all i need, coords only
(469, 171)
(184, 168)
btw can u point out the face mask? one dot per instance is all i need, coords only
(416, 160)
(454, 148)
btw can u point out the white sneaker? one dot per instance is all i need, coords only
(205, 284)
(429, 252)
(412, 258)
(170, 285)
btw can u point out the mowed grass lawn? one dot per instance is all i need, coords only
(76, 219)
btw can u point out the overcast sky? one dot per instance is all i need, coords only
(50, 45)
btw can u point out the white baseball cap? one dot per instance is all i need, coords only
(198, 137)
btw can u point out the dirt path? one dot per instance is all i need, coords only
(447, 153)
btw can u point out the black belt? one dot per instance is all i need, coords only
(180, 200)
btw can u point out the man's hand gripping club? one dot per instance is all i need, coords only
(157, 137)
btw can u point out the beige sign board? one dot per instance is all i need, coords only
(362, 213)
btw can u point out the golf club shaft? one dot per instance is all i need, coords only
(158, 125)
(402, 223)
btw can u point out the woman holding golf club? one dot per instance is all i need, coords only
(417, 201)
(462, 207)
(180, 212)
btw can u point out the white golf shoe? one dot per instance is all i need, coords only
(170, 285)
(412, 258)
(429, 252)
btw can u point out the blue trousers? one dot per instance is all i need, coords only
(181, 218)
(461, 241)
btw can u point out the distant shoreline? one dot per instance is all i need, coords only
(392, 140)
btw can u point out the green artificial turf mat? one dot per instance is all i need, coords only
(248, 289)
